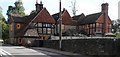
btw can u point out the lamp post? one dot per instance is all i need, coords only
(60, 23)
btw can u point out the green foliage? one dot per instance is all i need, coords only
(17, 10)
(19, 7)
(117, 34)
(3, 27)
(116, 25)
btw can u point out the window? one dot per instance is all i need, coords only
(92, 29)
(109, 27)
(39, 24)
(99, 27)
(18, 25)
(97, 24)
(87, 26)
(44, 25)
(45, 28)
(93, 25)
(49, 31)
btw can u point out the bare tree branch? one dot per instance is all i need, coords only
(73, 7)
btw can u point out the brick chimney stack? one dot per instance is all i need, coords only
(105, 14)
(105, 8)
(39, 7)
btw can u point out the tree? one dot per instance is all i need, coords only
(1, 16)
(0, 22)
(18, 10)
(118, 21)
(4, 27)
(73, 6)
(116, 27)
(5, 30)
(19, 7)
(116, 24)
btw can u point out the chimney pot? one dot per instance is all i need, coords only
(39, 7)
(104, 8)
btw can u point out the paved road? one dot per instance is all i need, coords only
(20, 51)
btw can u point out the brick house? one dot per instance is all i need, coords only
(67, 22)
(79, 19)
(97, 24)
(37, 25)
(40, 25)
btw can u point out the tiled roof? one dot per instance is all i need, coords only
(44, 16)
(19, 19)
(24, 19)
(92, 18)
(56, 16)
(66, 18)
(79, 18)
(31, 17)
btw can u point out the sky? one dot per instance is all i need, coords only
(83, 6)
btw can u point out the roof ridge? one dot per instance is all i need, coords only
(91, 18)
(58, 13)
(78, 15)
(34, 18)
(94, 13)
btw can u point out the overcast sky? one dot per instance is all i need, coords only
(83, 6)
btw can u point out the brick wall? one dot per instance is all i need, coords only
(86, 46)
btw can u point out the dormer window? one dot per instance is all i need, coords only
(18, 25)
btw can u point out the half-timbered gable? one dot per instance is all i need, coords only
(42, 24)
(36, 25)
(67, 22)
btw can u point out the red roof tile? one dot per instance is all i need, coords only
(66, 18)
(44, 16)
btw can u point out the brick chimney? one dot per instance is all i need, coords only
(105, 14)
(105, 8)
(39, 7)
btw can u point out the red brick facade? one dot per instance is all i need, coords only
(108, 25)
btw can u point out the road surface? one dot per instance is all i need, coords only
(20, 51)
